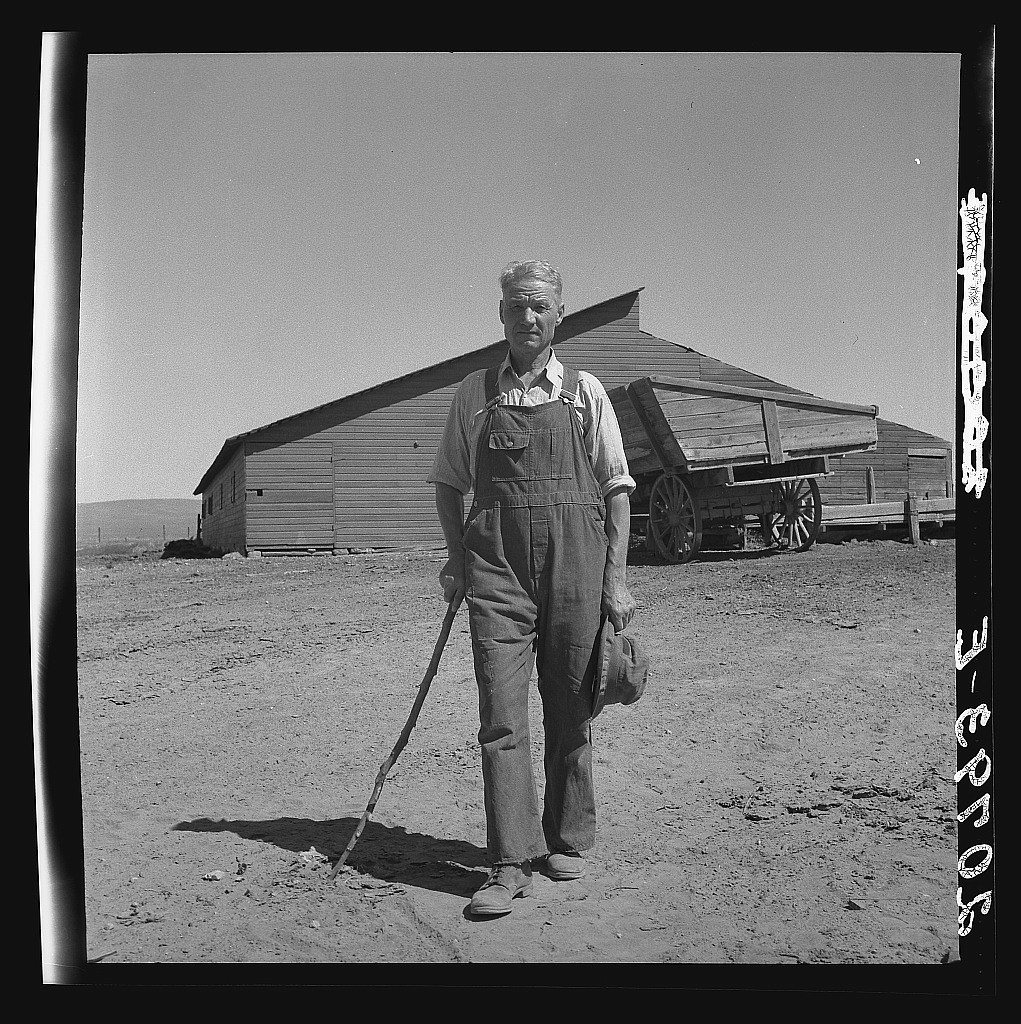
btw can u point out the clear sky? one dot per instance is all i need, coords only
(265, 232)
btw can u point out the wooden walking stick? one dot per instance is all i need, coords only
(402, 741)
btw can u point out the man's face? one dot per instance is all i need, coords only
(530, 312)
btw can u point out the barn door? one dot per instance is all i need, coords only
(382, 497)
(929, 472)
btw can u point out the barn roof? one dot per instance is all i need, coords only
(230, 446)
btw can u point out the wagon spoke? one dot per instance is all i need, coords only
(674, 525)
(796, 517)
(676, 540)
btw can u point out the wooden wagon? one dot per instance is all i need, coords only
(712, 456)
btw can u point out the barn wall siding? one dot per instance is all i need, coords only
(290, 494)
(224, 527)
(352, 473)
(716, 372)
(890, 464)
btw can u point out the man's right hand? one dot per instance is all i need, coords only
(450, 506)
(452, 580)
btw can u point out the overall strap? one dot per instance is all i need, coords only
(569, 396)
(493, 398)
(569, 389)
(491, 382)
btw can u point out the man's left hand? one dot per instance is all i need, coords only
(618, 604)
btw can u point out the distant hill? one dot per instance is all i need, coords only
(136, 519)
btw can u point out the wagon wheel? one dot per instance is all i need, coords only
(674, 522)
(796, 518)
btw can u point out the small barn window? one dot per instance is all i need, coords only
(233, 488)
(221, 494)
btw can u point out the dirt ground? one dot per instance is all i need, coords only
(782, 794)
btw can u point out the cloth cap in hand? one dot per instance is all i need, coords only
(621, 669)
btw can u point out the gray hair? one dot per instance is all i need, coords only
(531, 270)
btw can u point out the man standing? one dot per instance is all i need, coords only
(541, 558)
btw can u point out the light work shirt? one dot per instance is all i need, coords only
(455, 459)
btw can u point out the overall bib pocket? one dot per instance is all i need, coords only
(561, 451)
(510, 456)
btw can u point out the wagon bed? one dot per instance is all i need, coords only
(711, 455)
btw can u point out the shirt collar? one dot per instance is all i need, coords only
(554, 369)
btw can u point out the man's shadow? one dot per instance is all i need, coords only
(389, 853)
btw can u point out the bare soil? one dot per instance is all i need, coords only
(783, 793)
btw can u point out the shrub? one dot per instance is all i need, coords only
(189, 549)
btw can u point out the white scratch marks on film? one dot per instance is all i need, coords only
(973, 324)
(978, 645)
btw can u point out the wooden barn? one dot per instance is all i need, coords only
(351, 474)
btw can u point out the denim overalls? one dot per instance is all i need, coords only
(535, 550)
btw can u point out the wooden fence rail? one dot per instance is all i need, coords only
(910, 512)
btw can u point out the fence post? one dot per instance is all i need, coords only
(911, 514)
(870, 484)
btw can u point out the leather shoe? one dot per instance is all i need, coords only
(565, 866)
(505, 882)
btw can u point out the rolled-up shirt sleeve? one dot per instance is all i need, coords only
(603, 438)
(452, 462)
